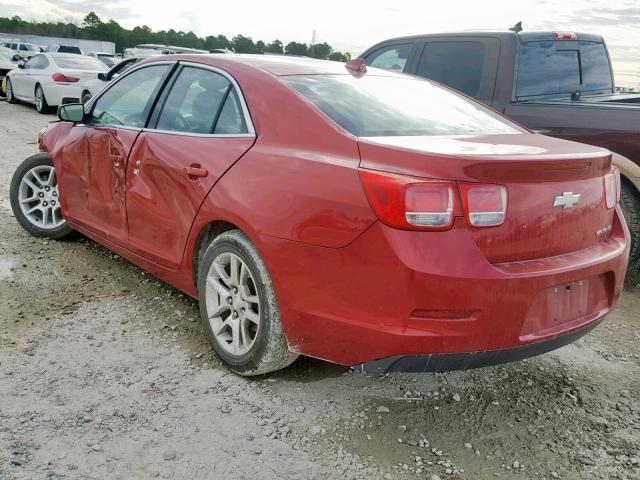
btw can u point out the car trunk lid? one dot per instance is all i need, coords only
(555, 188)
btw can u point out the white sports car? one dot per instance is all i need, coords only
(51, 79)
(94, 85)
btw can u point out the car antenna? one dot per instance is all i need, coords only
(517, 27)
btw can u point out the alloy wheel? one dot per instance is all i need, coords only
(232, 304)
(39, 98)
(9, 90)
(38, 197)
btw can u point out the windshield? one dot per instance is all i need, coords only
(544, 69)
(78, 62)
(373, 106)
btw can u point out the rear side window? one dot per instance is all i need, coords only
(201, 101)
(127, 102)
(38, 62)
(543, 70)
(455, 64)
(377, 106)
(392, 57)
(596, 74)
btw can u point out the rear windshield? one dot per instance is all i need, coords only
(373, 106)
(80, 63)
(545, 69)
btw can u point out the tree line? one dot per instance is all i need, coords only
(93, 28)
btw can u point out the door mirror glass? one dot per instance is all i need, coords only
(21, 65)
(102, 76)
(71, 112)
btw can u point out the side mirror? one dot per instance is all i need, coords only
(102, 76)
(16, 58)
(21, 65)
(71, 112)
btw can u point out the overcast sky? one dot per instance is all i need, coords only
(353, 25)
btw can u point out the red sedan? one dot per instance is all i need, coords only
(362, 217)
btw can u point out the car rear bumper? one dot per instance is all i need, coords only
(442, 362)
(57, 94)
(393, 293)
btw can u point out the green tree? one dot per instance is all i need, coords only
(274, 47)
(340, 57)
(295, 48)
(242, 44)
(320, 50)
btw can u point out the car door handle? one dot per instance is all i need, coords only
(194, 172)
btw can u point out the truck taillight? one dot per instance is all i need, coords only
(484, 205)
(612, 188)
(411, 203)
(564, 36)
(62, 78)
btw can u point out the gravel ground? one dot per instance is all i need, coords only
(105, 373)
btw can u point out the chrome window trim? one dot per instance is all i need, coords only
(251, 132)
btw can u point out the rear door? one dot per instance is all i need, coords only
(95, 160)
(200, 127)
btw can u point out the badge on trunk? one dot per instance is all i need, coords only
(566, 200)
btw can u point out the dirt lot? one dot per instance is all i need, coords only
(105, 373)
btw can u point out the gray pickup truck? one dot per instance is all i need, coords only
(556, 83)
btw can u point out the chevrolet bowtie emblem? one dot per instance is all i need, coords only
(566, 200)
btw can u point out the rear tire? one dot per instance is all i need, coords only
(41, 102)
(630, 203)
(11, 98)
(32, 194)
(239, 310)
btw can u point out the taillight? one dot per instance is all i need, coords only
(564, 36)
(62, 78)
(412, 203)
(484, 205)
(612, 188)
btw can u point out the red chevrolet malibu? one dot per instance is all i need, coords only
(362, 217)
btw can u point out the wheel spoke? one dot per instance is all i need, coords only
(30, 199)
(235, 337)
(221, 289)
(33, 186)
(252, 316)
(221, 273)
(33, 209)
(45, 216)
(217, 331)
(52, 177)
(234, 270)
(220, 309)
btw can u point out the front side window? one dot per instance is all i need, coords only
(127, 102)
(393, 57)
(201, 101)
(544, 70)
(376, 106)
(455, 64)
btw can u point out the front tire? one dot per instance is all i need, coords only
(239, 309)
(630, 203)
(35, 200)
(11, 98)
(41, 102)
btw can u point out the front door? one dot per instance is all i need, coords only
(93, 166)
(200, 129)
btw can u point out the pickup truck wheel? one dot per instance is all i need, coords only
(630, 203)
(239, 308)
(35, 200)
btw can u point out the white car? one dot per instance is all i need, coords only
(8, 62)
(51, 79)
(109, 59)
(93, 86)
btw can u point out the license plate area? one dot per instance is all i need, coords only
(568, 302)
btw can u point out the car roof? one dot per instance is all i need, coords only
(502, 34)
(274, 64)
